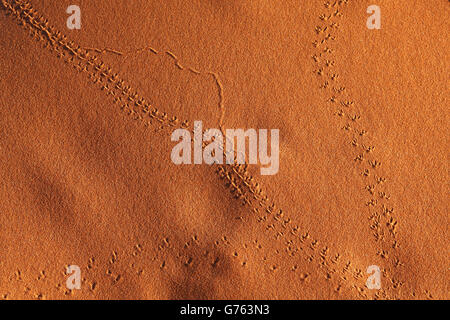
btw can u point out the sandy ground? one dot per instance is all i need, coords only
(85, 171)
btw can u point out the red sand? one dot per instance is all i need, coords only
(86, 177)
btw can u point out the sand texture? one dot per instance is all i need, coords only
(86, 177)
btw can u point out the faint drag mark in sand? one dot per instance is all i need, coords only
(215, 76)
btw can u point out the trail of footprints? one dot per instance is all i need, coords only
(180, 66)
(383, 224)
(297, 244)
